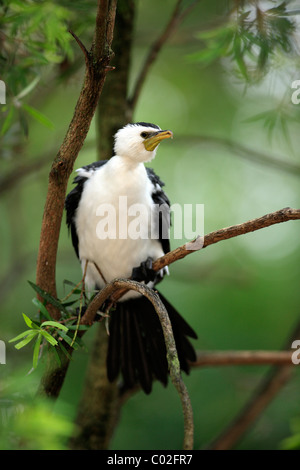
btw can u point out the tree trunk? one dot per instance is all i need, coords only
(100, 406)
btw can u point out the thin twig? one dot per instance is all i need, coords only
(82, 47)
(11, 178)
(245, 152)
(241, 358)
(172, 356)
(176, 18)
(100, 272)
(283, 215)
(231, 358)
(263, 395)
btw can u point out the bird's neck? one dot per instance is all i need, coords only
(126, 164)
(124, 173)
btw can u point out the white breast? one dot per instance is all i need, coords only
(113, 222)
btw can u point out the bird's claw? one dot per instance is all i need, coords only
(144, 272)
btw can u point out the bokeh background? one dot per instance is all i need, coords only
(240, 294)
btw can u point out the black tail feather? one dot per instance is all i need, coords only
(128, 349)
(114, 347)
(137, 347)
(141, 360)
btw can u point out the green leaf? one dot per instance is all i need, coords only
(75, 290)
(23, 122)
(79, 327)
(38, 116)
(65, 351)
(55, 324)
(56, 355)
(21, 335)
(70, 303)
(28, 89)
(291, 443)
(29, 322)
(70, 341)
(49, 338)
(49, 298)
(36, 351)
(69, 283)
(27, 340)
(41, 307)
(8, 120)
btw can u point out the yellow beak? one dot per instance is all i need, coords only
(151, 142)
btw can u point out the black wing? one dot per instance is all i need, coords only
(73, 198)
(161, 199)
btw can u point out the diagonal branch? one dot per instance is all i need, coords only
(176, 18)
(283, 215)
(198, 243)
(269, 387)
(211, 238)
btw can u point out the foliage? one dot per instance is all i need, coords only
(35, 43)
(35, 35)
(292, 442)
(255, 38)
(251, 37)
(32, 425)
(50, 332)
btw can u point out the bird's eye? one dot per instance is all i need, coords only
(144, 135)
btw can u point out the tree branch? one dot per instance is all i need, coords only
(283, 215)
(269, 388)
(245, 152)
(82, 47)
(241, 358)
(211, 238)
(231, 358)
(62, 166)
(264, 394)
(175, 19)
(172, 357)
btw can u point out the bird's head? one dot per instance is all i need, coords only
(139, 141)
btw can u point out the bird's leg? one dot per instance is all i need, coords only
(105, 315)
(144, 272)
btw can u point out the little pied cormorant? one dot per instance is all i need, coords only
(136, 344)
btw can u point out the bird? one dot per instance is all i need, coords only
(112, 243)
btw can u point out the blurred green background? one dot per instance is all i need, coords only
(241, 294)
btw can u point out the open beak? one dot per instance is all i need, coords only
(151, 142)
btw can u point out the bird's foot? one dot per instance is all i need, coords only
(104, 316)
(144, 272)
